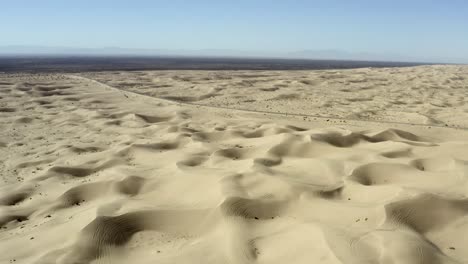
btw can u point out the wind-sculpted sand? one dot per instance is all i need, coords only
(94, 174)
(426, 95)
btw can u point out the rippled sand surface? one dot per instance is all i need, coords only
(350, 166)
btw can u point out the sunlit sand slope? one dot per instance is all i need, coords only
(93, 174)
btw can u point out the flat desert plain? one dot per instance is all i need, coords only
(329, 166)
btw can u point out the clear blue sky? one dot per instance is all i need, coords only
(431, 28)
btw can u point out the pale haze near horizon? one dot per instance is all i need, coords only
(394, 30)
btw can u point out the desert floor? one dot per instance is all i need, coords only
(337, 166)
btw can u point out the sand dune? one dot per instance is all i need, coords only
(426, 95)
(354, 166)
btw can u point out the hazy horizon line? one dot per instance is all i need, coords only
(304, 54)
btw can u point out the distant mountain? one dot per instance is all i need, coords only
(324, 54)
(44, 50)
(345, 55)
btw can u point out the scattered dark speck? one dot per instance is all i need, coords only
(452, 248)
(256, 218)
